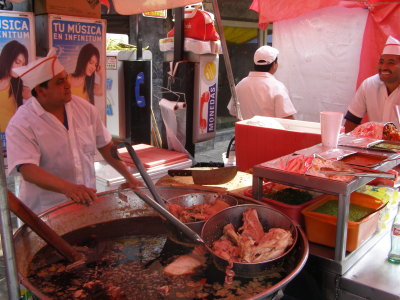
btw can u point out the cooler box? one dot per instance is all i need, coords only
(261, 139)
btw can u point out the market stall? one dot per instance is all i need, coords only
(13, 286)
(341, 267)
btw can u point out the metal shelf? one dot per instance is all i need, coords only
(335, 260)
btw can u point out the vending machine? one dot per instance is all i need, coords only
(129, 93)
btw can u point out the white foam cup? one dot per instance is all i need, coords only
(331, 122)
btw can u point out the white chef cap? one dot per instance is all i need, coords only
(392, 46)
(40, 70)
(265, 55)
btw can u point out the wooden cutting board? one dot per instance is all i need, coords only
(241, 180)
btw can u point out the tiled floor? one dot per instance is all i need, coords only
(209, 151)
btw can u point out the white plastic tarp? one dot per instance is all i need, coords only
(319, 58)
(132, 7)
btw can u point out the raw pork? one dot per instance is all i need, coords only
(251, 244)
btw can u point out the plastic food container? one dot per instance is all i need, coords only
(292, 211)
(321, 228)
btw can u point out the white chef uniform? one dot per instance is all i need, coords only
(43, 140)
(372, 97)
(261, 94)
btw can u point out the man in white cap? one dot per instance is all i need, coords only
(379, 94)
(260, 93)
(52, 139)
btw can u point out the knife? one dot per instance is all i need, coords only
(209, 176)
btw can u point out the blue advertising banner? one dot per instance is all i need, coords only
(80, 44)
(17, 48)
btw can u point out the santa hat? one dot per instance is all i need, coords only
(392, 46)
(265, 55)
(40, 70)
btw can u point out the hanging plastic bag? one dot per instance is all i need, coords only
(174, 117)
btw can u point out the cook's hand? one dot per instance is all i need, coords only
(80, 194)
(132, 183)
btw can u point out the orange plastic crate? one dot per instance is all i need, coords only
(321, 228)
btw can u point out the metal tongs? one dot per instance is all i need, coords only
(354, 170)
(376, 174)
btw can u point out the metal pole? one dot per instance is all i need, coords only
(139, 52)
(178, 34)
(227, 60)
(6, 237)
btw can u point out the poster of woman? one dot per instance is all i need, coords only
(80, 44)
(17, 47)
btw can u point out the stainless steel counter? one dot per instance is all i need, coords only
(356, 269)
(374, 270)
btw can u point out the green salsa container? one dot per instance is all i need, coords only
(321, 226)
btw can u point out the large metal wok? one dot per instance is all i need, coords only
(70, 217)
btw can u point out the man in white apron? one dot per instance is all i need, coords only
(260, 93)
(53, 137)
(379, 94)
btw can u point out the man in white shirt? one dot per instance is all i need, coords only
(379, 94)
(260, 93)
(52, 139)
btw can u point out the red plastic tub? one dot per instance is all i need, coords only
(292, 211)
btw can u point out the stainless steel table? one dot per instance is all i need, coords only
(336, 260)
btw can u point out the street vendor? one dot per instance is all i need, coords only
(260, 93)
(379, 94)
(52, 140)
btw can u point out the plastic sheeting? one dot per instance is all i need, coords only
(319, 58)
(383, 20)
(174, 116)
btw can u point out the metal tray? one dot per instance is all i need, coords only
(364, 159)
(389, 146)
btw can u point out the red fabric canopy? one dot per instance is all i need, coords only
(277, 10)
(383, 20)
